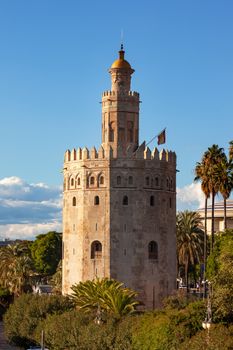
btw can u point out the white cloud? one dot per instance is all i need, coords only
(28, 231)
(190, 197)
(28, 209)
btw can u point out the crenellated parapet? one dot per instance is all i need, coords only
(110, 93)
(106, 152)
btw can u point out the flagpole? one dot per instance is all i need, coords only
(155, 137)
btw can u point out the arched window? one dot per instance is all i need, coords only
(96, 250)
(118, 180)
(152, 201)
(130, 180)
(74, 201)
(78, 181)
(152, 182)
(72, 182)
(170, 202)
(101, 180)
(167, 183)
(130, 132)
(92, 180)
(147, 181)
(156, 181)
(171, 184)
(125, 200)
(111, 132)
(96, 200)
(153, 250)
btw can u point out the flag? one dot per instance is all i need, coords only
(161, 137)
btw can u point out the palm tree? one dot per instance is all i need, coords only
(189, 240)
(224, 180)
(105, 294)
(213, 156)
(15, 268)
(231, 150)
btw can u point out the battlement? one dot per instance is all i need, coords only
(106, 152)
(116, 93)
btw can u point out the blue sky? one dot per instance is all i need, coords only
(54, 57)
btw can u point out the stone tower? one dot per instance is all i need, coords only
(119, 211)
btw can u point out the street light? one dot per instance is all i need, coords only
(206, 324)
(98, 320)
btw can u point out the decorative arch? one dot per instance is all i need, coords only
(153, 250)
(78, 180)
(72, 182)
(101, 179)
(96, 250)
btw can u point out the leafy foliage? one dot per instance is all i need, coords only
(220, 269)
(15, 268)
(219, 337)
(22, 317)
(189, 239)
(107, 294)
(46, 252)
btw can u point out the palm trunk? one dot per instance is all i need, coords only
(225, 213)
(212, 221)
(205, 245)
(186, 274)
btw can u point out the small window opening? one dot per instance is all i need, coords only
(96, 250)
(170, 202)
(152, 201)
(79, 181)
(156, 181)
(153, 250)
(130, 180)
(96, 200)
(101, 180)
(125, 200)
(74, 201)
(92, 180)
(72, 182)
(118, 180)
(147, 181)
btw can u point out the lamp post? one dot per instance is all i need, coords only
(98, 319)
(206, 324)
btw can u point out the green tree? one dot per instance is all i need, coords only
(189, 240)
(231, 150)
(46, 252)
(16, 268)
(213, 156)
(25, 314)
(220, 273)
(56, 280)
(105, 294)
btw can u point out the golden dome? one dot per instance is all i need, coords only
(121, 62)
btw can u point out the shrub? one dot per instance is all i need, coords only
(220, 338)
(24, 315)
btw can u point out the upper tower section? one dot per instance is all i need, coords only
(120, 109)
(121, 72)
